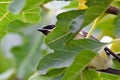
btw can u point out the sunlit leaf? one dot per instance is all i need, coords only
(32, 4)
(16, 6)
(115, 46)
(35, 12)
(116, 3)
(73, 4)
(105, 28)
(4, 17)
(117, 26)
(26, 10)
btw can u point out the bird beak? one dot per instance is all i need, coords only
(47, 29)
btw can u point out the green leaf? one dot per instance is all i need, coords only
(75, 20)
(60, 77)
(88, 75)
(109, 76)
(80, 63)
(25, 53)
(35, 12)
(55, 72)
(52, 75)
(28, 57)
(23, 5)
(46, 1)
(98, 7)
(116, 3)
(32, 4)
(5, 63)
(61, 33)
(116, 64)
(117, 27)
(55, 60)
(115, 46)
(29, 53)
(25, 14)
(63, 56)
(17, 26)
(16, 6)
(105, 28)
(73, 4)
(20, 53)
(36, 76)
(4, 18)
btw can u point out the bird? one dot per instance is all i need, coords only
(101, 62)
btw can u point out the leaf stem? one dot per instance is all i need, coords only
(92, 28)
(94, 25)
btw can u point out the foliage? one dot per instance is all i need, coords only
(59, 55)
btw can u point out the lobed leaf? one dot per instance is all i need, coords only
(29, 53)
(16, 6)
(4, 18)
(70, 23)
(26, 8)
(63, 56)
(62, 32)
(98, 7)
(35, 12)
(80, 63)
(32, 4)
